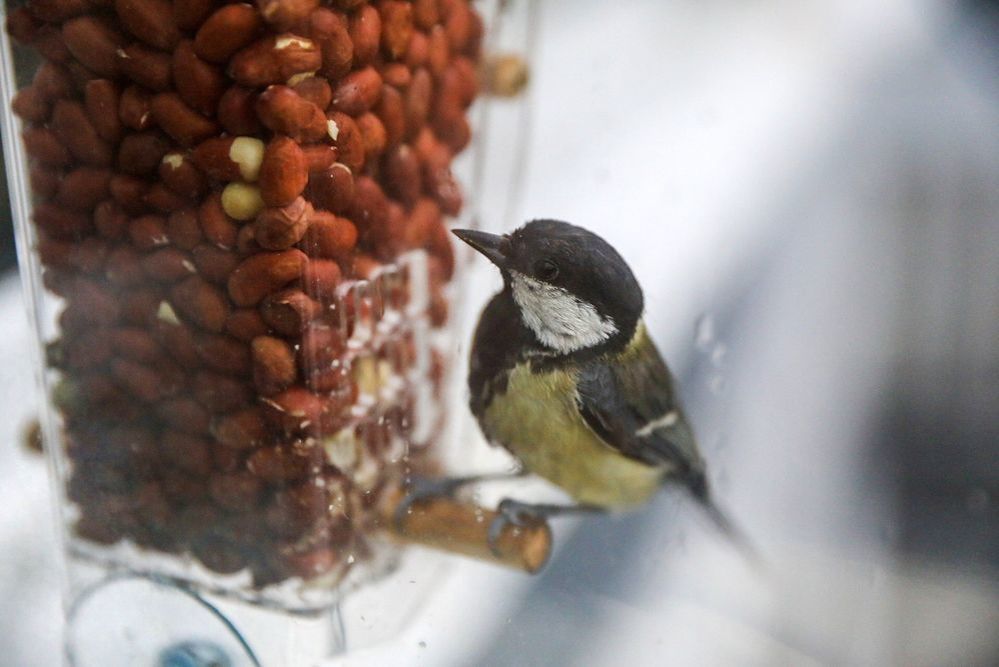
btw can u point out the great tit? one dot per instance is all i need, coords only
(565, 376)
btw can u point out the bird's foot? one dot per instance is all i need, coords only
(516, 513)
(428, 488)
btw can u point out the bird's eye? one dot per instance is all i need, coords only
(546, 269)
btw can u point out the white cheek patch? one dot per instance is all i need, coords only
(561, 321)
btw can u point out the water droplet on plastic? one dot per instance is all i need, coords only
(704, 331)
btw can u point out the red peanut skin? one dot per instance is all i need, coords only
(246, 324)
(397, 27)
(202, 303)
(289, 311)
(51, 44)
(57, 10)
(262, 274)
(74, 130)
(199, 83)
(319, 157)
(140, 154)
(425, 13)
(217, 227)
(237, 111)
(93, 42)
(44, 146)
(161, 198)
(168, 265)
(129, 192)
(284, 111)
(401, 172)
(329, 237)
(22, 26)
(315, 89)
(373, 136)
(145, 66)
(213, 263)
(222, 354)
(226, 31)
(329, 30)
(397, 75)
(284, 172)
(134, 108)
(274, 368)
(365, 31)
(181, 122)
(184, 179)
(321, 278)
(84, 188)
(274, 59)
(281, 228)
(44, 181)
(190, 14)
(349, 142)
(183, 229)
(358, 91)
(101, 100)
(120, 231)
(391, 111)
(245, 429)
(332, 189)
(150, 21)
(52, 81)
(212, 157)
(286, 14)
(220, 393)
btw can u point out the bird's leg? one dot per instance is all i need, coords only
(426, 488)
(516, 513)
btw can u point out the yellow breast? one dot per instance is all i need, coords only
(538, 421)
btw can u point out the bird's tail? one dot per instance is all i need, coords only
(698, 487)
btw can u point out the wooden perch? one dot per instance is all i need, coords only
(462, 528)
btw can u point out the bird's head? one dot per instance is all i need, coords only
(573, 290)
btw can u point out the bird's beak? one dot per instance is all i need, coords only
(488, 244)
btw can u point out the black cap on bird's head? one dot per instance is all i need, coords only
(573, 290)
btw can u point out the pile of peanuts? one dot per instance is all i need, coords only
(211, 182)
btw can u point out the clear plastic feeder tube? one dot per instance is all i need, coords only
(232, 225)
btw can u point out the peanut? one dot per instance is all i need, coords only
(242, 201)
(227, 31)
(274, 59)
(146, 67)
(262, 274)
(209, 180)
(274, 368)
(283, 227)
(151, 21)
(284, 173)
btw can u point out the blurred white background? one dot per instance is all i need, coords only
(809, 193)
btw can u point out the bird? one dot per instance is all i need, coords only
(565, 376)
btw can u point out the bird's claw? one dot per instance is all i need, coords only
(427, 488)
(512, 513)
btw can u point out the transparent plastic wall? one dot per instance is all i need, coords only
(233, 234)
